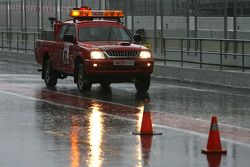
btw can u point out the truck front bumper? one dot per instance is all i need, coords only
(99, 70)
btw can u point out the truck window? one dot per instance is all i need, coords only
(103, 33)
(71, 31)
(62, 32)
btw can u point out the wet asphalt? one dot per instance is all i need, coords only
(62, 127)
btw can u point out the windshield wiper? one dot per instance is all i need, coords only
(109, 36)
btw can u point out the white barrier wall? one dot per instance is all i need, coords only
(222, 78)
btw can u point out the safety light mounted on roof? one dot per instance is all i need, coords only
(81, 12)
(86, 12)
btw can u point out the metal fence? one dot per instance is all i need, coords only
(17, 41)
(222, 54)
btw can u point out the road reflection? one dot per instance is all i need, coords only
(143, 149)
(214, 160)
(74, 132)
(95, 134)
(139, 116)
(139, 156)
(94, 138)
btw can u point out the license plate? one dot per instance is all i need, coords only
(123, 62)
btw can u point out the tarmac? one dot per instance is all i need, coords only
(62, 127)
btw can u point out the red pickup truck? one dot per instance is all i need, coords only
(94, 47)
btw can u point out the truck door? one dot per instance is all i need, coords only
(68, 51)
(58, 50)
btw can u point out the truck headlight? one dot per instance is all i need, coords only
(145, 55)
(97, 55)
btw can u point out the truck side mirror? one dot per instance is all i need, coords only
(69, 38)
(137, 38)
(52, 20)
(57, 27)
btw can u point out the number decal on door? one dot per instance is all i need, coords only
(66, 53)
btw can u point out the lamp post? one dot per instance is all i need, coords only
(102, 4)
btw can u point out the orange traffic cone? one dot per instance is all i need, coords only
(214, 142)
(146, 125)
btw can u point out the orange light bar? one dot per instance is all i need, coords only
(113, 13)
(83, 12)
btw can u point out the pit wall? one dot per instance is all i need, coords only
(203, 76)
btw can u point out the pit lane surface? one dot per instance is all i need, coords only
(62, 127)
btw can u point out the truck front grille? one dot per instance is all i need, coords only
(122, 53)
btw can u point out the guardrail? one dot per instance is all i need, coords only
(18, 41)
(224, 54)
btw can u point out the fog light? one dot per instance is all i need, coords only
(95, 65)
(148, 64)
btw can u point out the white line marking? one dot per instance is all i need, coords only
(108, 102)
(206, 90)
(91, 99)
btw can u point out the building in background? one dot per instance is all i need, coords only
(155, 18)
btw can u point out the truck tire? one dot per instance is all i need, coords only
(105, 84)
(142, 83)
(50, 75)
(83, 83)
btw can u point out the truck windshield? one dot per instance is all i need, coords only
(104, 33)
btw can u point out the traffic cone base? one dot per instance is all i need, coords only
(146, 134)
(205, 151)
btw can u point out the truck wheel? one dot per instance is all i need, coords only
(105, 84)
(50, 76)
(83, 83)
(142, 83)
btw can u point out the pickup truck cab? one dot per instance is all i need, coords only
(94, 47)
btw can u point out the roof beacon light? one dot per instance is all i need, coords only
(80, 13)
(113, 13)
(87, 12)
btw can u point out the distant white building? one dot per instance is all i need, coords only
(183, 18)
